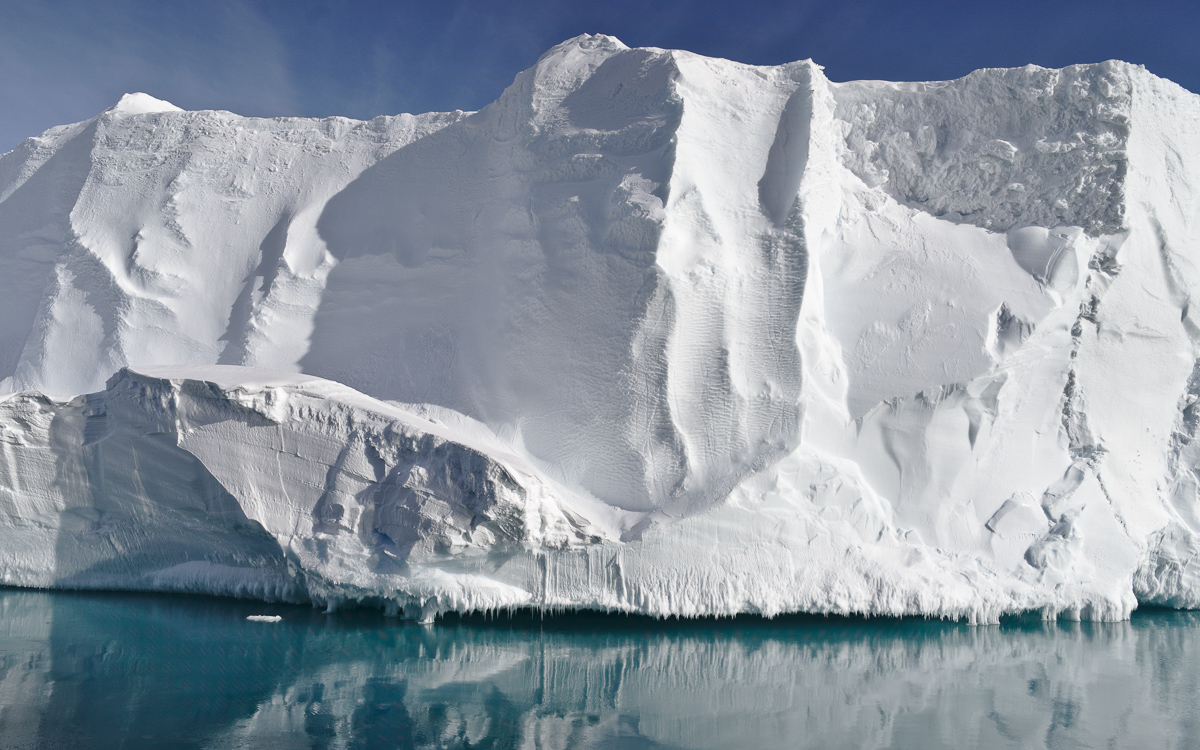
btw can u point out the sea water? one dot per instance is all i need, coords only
(134, 671)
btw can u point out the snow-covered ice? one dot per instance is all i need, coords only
(652, 332)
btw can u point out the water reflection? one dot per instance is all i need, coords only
(86, 670)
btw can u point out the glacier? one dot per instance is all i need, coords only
(652, 332)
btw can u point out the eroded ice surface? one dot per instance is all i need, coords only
(652, 332)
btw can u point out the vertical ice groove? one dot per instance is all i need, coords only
(786, 161)
(735, 253)
(256, 288)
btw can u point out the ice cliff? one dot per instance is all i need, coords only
(652, 332)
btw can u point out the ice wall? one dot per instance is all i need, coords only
(773, 342)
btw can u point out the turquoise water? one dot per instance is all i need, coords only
(133, 671)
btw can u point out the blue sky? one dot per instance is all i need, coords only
(65, 60)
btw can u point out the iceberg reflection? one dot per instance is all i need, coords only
(85, 670)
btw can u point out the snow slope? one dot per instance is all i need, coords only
(701, 338)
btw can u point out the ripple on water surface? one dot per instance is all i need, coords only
(88, 670)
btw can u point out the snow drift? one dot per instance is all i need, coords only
(652, 332)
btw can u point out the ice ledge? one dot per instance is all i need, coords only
(277, 486)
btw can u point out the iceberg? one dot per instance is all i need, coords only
(653, 332)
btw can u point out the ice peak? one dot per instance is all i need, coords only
(571, 58)
(588, 43)
(562, 70)
(140, 104)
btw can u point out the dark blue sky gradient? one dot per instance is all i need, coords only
(65, 60)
